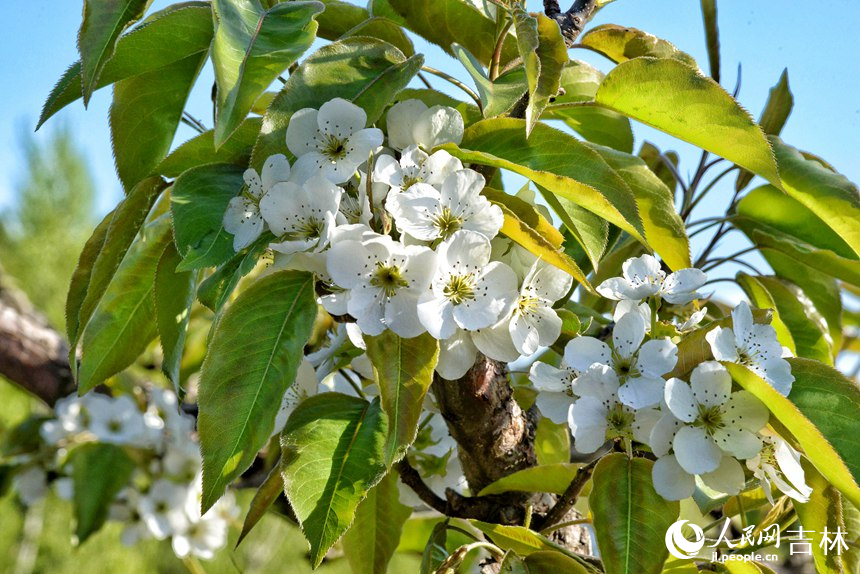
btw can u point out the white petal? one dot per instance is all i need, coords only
(680, 287)
(628, 335)
(670, 480)
(742, 320)
(438, 125)
(554, 406)
(723, 344)
(255, 185)
(495, 290)
(582, 352)
(401, 314)
(644, 422)
(618, 289)
(456, 356)
(663, 434)
(728, 478)
(387, 170)
(360, 144)
(349, 263)
(711, 383)
(302, 132)
(340, 118)
(744, 410)
(307, 166)
(547, 281)
(495, 342)
(628, 306)
(738, 442)
(400, 121)
(657, 357)
(640, 267)
(599, 381)
(587, 421)
(696, 451)
(788, 460)
(641, 392)
(549, 379)
(275, 170)
(437, 316)
(466, 248)
(778, 374)
(680, 400)
(438, 166)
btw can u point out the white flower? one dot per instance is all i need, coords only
(693, 321)
(331, 142)
(627, 306)
(532, 323)
(753, 346)
(385, 280)
(121, 422)
(467, 290)
(642, 278)
(201, 538)
(640, 367)
(715, 421)
(414, 166)
(457, 354)
(182, 460)
(31, 484)
(427, 213)
(411, 122)
(598, 416)
(555, 389)
(672, 482)
(304, 386)
(242, 218)
(512, 254)
(779, 464)
(354, 205)
(302, 217)
(162, 508)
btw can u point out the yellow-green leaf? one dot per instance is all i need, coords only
(554, 478)
(822, 511)
(621, 43)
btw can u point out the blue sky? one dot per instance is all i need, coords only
(818, 46)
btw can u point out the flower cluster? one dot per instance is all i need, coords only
(701, 428)
(162, 499)
(400, 234)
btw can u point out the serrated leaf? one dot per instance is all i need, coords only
(373, 537)
(333, 454)
(664, 228)
(200, 150)
(651, 156)
(404, 371)
(826, 193)
(621, 43)
(216, 289)
(822, 511)
(497, 96)
(198, 201)
(252, 47)
(590, 231)
(243, 379)
(630, 519)
(174, 295)
(145, 113)
(123, 323)
(527, 213)
(338, 18)
(773, 117)
(675, 98)
(365, 71)
(595, 124)
(164, 38)
(553, 478)
(385, 30)
(820, 412)
(263, 499)
(99, 472)
(712, 36)
(556, 161)
(444, 22)
(103, 22)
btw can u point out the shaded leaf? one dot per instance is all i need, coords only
(553, 478)
(552, 440)
(650, 154)
(620, 43)
(263, 499)
(596, 124)
(338, 18)
(590, 231)
(544, 54)
(385, 30)
(822, 511)
(243, 379)
(333, 454)
(435, 551)
(518, 539)
(497, 96)
(174, 295)
(216, 289)
(547, 562)
(200, 150)
(99, 472)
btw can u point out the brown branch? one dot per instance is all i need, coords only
(410, 477)
(568, 499)
(573, 21)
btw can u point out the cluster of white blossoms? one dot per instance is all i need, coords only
(162, 499)
(400, 235)
(701, 428)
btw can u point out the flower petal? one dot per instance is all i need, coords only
(657, 357)
(340, 118)
(711, 383)
(696, 451)
(400, 121)
(680, 400)
(670, 480)
(437, 316)
(546, 378)
(275, 170)
(582, 352)
(663, 434)
(554, 406)
(723, 344)
(587, 421)
(456, 356)
(495, 342)
(641, 392)
(628, 335)
(744, 410)
(728, 478)
(738, 442)
(681, 286)
(438, 125)
(302, 132)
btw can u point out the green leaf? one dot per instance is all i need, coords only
(630, 519)
(552, 440)
(620, 44)
(252, 47)
(518, 539)
(172, 34)
(244, 378)
(365, 71)
(497, 96)
(200, 150)
(544, 54)
(556, 161)
(650, 154)
(338, 18)
(216, 289)
(590, 231)
(444, 22)
(404, 371)
(81, 280)
(553, 478)
(820, 412)
(828, 194)
(664, 228)
(99, 472)
(198, 202)
(823, 510)
(712, 35)
(174, 295)
(548, 562)
(145, 113)
(675, 98)
(580, 81)
(595, 123)
(123, 322)
(773, 117)
(370, 542)
(435, 551)
(333, 454)
(263, 499)
(385, 30)
(103, 22)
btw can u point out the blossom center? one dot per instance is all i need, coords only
(626, 367)
(459, 288)
(333, 147)
(389, 278)
(618, 421)
(310, 228)
(710, 418)
(527, 304)
(447, 223)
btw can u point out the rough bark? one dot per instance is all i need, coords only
(572, 22)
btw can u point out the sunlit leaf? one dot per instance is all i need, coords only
(174, 294)
(822, 511)
(385, 30)
(497, 96)
(544, 54)
(712, 36)
(263, 499)
(200, 150)
(554, 478)
(621, 43)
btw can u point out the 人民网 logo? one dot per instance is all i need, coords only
(677, 543)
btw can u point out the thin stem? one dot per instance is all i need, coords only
(710, 186)
(741, 511)
(701, 169)
(424, 80)
(497, 52)
(561, 525)
(191, 124)
(711, 225)
(674, 171)
(352, 382)
(712, 263)
(568, 499)
(454, 81)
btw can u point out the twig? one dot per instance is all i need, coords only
(424, 81)
(410, 477)
(572, 22)
(568, 499)
(497, 53)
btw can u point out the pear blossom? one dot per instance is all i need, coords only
(331, 141)
(673, 482)
(414, 166)
(385, 280)
(162, 508)
(457, 354)
(467, 290)
(31, 484)
(598, 415)
(411, 122)
(302, 217)
(778, 464)
(692, 321)
(427, 213)
(555, 389)
(643, 278)
(628, 306)
(121, 422)
(753, 346)
(513, 255)
(200, 538)
(303, 387)
(242, 218)
(714, 421)
(639, 366)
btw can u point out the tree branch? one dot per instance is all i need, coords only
(573, 21)
(568, 499)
